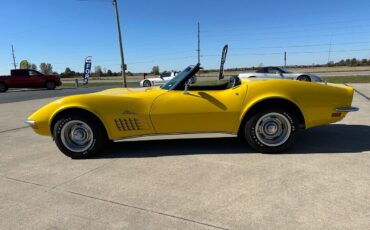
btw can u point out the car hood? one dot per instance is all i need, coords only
(128, 91)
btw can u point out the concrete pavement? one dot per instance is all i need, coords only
(202, 183)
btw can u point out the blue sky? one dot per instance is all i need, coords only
(163, 32)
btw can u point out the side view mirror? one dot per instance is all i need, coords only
(192, 80)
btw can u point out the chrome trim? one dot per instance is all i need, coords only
(347, 109)
(273, 129)
(77, 136)
(29, 122)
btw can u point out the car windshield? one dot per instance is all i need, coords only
(179, 77)
(284, 70)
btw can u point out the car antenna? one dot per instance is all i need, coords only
(223, 60)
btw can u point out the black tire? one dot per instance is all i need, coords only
(255, 133)
(304, 78)
(147, 83)
(62, 135)
(3, 87)
(50, 85)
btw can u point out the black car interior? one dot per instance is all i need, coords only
(233, 82)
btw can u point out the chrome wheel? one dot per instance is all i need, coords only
(273, 129)
(77, 136)
(147, 84)
(304, 78)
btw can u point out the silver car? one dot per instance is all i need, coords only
(277, 72)
(162, 79)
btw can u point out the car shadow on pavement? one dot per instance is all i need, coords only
(336, 138)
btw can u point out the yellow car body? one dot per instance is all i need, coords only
(136, 112)
(265, 113)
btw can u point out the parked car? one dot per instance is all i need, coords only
(28, 78)
(267, 114)
(162, 79)
(280, 73)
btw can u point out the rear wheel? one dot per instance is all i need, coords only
(304, 78)
(147, 83)
(50, 85)
(3, 87)
(78, 136)
(271, 130)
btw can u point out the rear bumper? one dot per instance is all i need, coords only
(347, 109)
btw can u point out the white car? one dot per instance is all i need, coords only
(162, 79)
(277, 72)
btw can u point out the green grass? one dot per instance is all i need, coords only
(348, 79)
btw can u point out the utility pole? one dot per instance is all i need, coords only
(15, 64)
(284, 59)
(329, 54)
(123, 66)
(198, 43)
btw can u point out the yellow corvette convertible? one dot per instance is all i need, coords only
(266, 113)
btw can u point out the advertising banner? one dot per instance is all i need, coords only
(87, 70)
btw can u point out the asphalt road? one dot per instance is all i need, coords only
(187, 182)
(33, 94)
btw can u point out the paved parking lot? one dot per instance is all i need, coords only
(323, 182)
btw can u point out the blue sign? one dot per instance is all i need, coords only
(87, 70)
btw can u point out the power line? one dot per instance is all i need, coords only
(293, 52)
(341, 22)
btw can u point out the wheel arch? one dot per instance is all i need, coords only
(304, 75)
(78, 110)
(273, 102)
(3, 82)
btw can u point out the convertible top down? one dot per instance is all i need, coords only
(267, 114)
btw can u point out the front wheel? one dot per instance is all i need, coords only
(50, 85)
(78, 136)
(3, 87)
(304, 78)
(271, 130)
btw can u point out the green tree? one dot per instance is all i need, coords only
(24, 64)
(109, 73)
(46, 68)
(67, 72)
(33, 66)
(98, 71)
(155, 70)
(354, 62)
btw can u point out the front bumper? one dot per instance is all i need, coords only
(347, 109)
(31, 123)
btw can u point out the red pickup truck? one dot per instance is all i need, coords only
(28, 78)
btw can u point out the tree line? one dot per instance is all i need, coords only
(351, 62)
(98, 71)
(45, 68)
